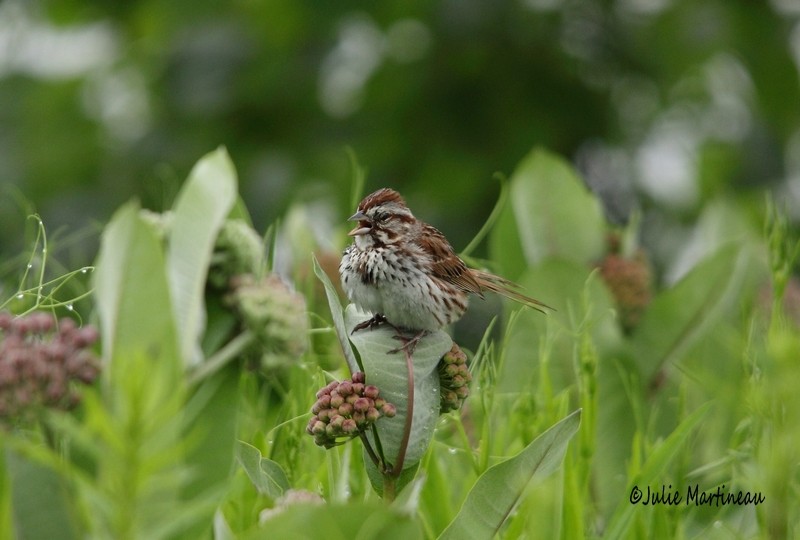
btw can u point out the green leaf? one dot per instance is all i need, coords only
(40, 501)
(239, 211)
(267, 476)
(130, 288)
(200, 210)
(577, 299)
(683, 314)
(495, 493)
(652, 472)
(210, 417)
(339, 521)
(390, 374)
(338, 319)
(554, 213)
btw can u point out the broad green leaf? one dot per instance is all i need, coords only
(390, 374)
(338, 318)
(505, 247)
(131, 290)
(681, 315)
(267, 476)
(652, 473)
(200, 210)
(338, 521)
(497, 490)
(578, 299)
(40, 501)
(555, 214)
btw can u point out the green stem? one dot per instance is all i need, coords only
(490, 221)
(389, 488)
(370, 452)
(216, 361)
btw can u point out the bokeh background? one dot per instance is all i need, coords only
(665, 106)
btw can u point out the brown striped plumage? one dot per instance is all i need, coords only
(404, 271)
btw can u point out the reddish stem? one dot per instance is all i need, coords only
(401, 454)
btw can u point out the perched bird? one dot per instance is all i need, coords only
(407, 274)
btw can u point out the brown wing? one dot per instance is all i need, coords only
(446, 265)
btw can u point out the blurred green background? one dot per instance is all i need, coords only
(663, 105)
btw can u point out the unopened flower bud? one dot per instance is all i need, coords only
(362, 405)
(372, 414)
(318, 428)
(451, 370)
(389, 410)
(336, 421)
(371, 391)
(349, 426)
(345, 409)
(336, 400)
(358, 377)
(345, 388)
(450, 398)
(86, 336)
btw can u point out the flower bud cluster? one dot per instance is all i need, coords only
(454, 379)
(40, 362)
(344, 409)
(630, 281)
(275, 314)
(238, 250)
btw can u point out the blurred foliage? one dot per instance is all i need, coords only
(664, 105)
(186, 437)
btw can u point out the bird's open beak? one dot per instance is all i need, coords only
(363, 226)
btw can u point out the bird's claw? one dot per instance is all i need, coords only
(409, 344)
(376, 320)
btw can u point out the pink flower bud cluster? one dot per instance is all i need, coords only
(344, 409)
(40, 364)
(454, 379)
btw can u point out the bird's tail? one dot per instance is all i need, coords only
(507, 288)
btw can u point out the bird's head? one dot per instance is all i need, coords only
(383, 218)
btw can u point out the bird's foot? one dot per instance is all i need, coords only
(409, 344)
(375, 321)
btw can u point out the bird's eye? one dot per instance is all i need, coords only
(381, 216)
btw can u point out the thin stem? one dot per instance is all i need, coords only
(370, 452)
(379, 449)
(401, 454)
(221, 357)
(490, 221)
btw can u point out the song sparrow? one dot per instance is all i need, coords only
(405, 272)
